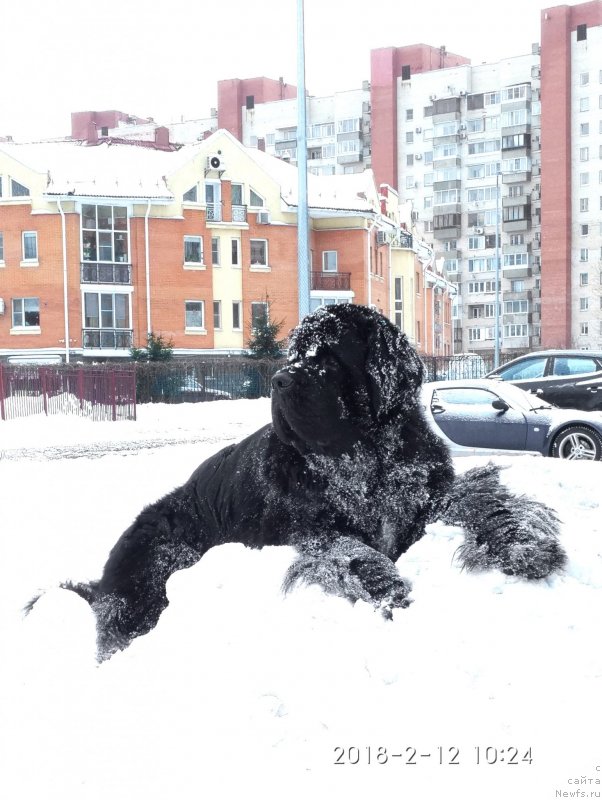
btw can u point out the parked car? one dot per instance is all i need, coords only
(464, 365)
(566, 378)
(486, 417)
(187, 389)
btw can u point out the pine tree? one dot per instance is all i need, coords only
(157, 349)
(264, 342)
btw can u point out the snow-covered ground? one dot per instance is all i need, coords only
(240, 692)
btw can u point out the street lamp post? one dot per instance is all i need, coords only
(496, 353)
(302, 204)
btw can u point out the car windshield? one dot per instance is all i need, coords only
(521, 399)
(523, 370)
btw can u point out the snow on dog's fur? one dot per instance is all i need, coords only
(349, 473)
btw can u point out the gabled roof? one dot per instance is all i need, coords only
(125, 170)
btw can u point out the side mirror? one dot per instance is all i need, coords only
(500, 405)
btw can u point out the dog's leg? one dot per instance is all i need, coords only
(130, 596)
(509, 532)
(348, 568)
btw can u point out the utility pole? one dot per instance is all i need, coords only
(303, 266)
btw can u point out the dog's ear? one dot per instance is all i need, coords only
(395, 371)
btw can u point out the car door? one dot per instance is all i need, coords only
(526, 373)
(466, 415)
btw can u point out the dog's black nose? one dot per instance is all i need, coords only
(282, 380)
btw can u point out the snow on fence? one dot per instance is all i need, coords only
(95, 392)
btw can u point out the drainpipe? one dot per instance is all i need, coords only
(369, 261)
(65, 288)
(147, 267)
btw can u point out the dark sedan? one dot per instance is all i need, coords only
(565, 378)
(486, 417)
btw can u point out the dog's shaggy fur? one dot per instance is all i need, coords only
(349, 473)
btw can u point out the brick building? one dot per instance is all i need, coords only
(103, 241)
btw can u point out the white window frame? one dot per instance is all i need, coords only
(24, 328)
(266, 262)
(32, 261)
(194, 264)
(330, 261)
(194, 328)
(266, 308)
(215, 251)
(217, 315)
(235, 252)
(238, 305)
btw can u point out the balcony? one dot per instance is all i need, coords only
(107, 338)
(239, 213)
(94, 272)
(214, 212)
(331, 281)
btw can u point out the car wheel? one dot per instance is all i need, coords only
(577, 443)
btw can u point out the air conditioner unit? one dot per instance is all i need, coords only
(418, 130)
(418, 156)
(215, 163)
(381, 237)
(263, 217)
(463, 93)
(479, 230)
(462, 127)
(432, 98)
(1, 305)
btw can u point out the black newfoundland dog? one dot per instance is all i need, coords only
(349, 473)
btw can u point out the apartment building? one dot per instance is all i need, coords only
(103, 241)
(338, 126)
(468, 158)
(571, 175)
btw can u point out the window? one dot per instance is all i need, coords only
(348, 125)
(330, 261)
(476, 242)
(406, 71)
(259, 314)
(583, 78)
(516, 164)
(581, 32)
(447, 196)
(584, 230)
(516, 307)
(409, 160)
(255, 199)
(584, 154)
(584, 129)
(215, 260)
(428, 159)
(105, 234)
(1, 248)
(428, 202)
(237, 194)
(398, 298)
(193, 250)
(409, 114)
(259, 253)
(584, 329)
(26, 312)
(583, 303)
(236, 262)
(217, 314)
(236, 315)
(192, 195)
(195, 314)
(30, 246)
(584, 254)
(583, 204)
(516, 259)
(429, 177)
(492, 98)
(513, 331)
(517, 238)
(518, 117)
(584, 104)
(409, 137)
(18, 190)
(583, 278)
(106, 310)
(409, 181)
(488, 146)
(517, 286)
(514, 92)
(475, 125)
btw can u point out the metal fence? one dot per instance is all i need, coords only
(464, 365)
(195, 380)
(95, 392)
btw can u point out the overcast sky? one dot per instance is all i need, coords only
(164, 59)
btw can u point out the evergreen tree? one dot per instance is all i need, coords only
(157, 349)
(264, 342)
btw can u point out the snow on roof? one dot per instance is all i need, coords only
(111, 169)
(104, 170)
(352, 192)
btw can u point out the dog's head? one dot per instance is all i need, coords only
(349, 370)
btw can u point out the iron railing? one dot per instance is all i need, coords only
(239, 213)
(331, 281)
(94, 272)
(107, 338)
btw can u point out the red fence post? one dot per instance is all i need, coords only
(113, 394)
(2, 410)
(42, 377)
